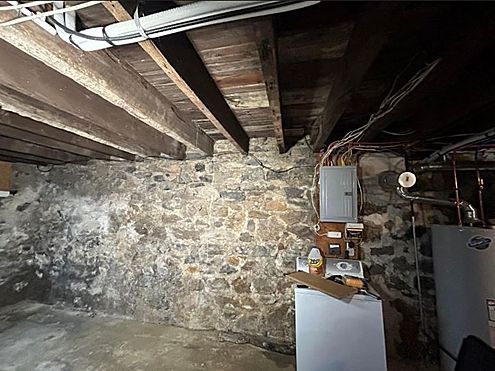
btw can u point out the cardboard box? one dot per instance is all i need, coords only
(5, 176)
(323, 285)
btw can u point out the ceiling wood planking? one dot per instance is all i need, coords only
(369, 35)
(237, 96)
(184, 67)
(314, 44)
(19, 146)
(24, 123)
(227, 52)
(308, 61)
(107, 77)
(32, 89)
(267, 49)
(440, 81)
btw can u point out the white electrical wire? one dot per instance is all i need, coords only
(355, 135)
(51, 12)
(23, 5)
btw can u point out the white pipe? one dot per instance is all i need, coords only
(48, 13)
(18, 5)
(187, 17)
(470, 213)
(39, 21)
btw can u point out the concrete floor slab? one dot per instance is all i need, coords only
(35, 336)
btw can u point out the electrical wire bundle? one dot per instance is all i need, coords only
(341, 152)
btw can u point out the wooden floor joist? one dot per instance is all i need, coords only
(26, 124)
(106, 77)
(368, 37)
(178, 59)
(451, 64)
(22, 147)
(26, 136)
(32, 89)
(267, 49)
(14, 159)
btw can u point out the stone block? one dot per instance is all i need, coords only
(385, 250)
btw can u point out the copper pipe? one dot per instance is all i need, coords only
(457, 193)
(481, 186)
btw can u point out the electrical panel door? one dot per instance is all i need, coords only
(338, 194)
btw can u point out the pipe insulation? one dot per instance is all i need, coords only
(183, 18)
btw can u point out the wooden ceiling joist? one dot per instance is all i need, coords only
(462, 106)
(107, 77)
(21, 147)
(25, 136)
(32, 89)
(267, 49)
(178, 59)
(35, 127)
(439, 80)
(369, 36)
(26, 158)
(13, 157)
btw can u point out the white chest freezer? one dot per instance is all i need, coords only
(339, 335)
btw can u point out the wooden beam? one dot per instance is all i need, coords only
(107, 77)
(15, 145)
(10, 156)
(26, 124)
(267, 49)
(452, 62)
(32, 89)
(26, 136)
(178, 59)
(455, 107)
(5, 177)
(370, 34)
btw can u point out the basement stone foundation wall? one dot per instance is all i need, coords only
(388, 252)
(203, 243)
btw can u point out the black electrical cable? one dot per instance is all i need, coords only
(167, 28)
(278, 171)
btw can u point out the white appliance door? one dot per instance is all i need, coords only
(337, 335)
(464, 270)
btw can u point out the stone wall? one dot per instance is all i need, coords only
(388, 251)
(202, 243)
(19, 277)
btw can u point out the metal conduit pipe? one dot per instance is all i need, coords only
(452, 147)
(462, 166)
(470, 213)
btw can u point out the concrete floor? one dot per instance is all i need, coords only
(40, 337)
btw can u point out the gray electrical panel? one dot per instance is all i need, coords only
(338, 194)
